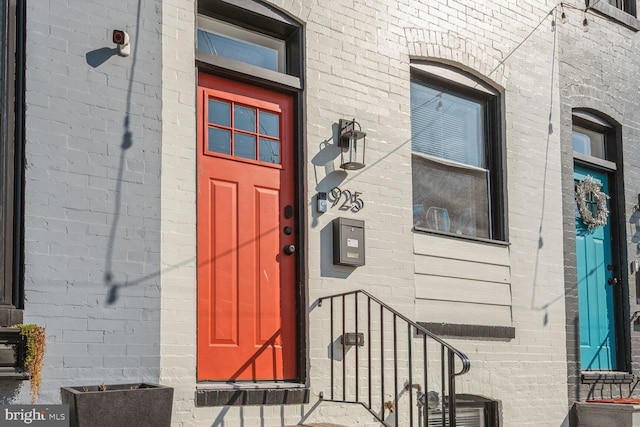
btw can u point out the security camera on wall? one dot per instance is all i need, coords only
(121, 38)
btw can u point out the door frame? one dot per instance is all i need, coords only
(609, 306)
(613, 169)
(300, 206)
(259, 16)
(231, 168)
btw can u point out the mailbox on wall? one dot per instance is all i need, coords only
(348, 242)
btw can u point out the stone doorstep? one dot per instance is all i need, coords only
(591, 414)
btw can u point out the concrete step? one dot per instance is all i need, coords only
(317, 425)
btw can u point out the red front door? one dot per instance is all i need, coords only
(246, 278)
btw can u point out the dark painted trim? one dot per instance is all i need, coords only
(254, 15)
(623, 325)
(605, 165)
(257, 16)
(606, 378)
(584, 384)
(304, 356)
(13, 353)
(229, 67)
(12, 157)
(273, 396)
(614, 150)
(470, 331)
(495, 154)
(461, 237)
(6, 152)
(623, 17)
(251, 14)
(19, 179)
(10, 315)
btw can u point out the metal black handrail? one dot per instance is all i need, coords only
(447, 359)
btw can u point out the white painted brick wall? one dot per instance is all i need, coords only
(178, 258)
(91, 207)
(357, 65)
(357, 56)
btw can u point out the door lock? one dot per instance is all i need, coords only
(289, 249)
(288, 211)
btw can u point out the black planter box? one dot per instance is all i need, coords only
(141, 405)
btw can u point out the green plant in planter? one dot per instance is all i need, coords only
(36, 341)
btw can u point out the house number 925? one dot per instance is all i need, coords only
(347, 200)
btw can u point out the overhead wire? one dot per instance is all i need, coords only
(562, 5)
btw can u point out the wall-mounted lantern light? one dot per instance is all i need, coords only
(351, 143)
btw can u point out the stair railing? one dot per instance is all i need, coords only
(346, 381)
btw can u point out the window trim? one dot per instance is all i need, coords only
(231, 68)
(259, 18)
(242, 35)
(598, 122)
(628, 6)
(590, 121)
(11, 156)
(494, 145)
(624, 16)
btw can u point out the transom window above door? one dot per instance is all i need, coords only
(593, 139)
(230, 41)
(589, 142)
(243, 131)
(250, 38)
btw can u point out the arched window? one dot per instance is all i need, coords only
(456, 153)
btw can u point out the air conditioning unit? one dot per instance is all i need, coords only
(471, 411)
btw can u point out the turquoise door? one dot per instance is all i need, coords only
(595, 292)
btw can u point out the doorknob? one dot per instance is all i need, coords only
(289, 249)
(612, 280)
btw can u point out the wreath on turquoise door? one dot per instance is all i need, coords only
(600, 214)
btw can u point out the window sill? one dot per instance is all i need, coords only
(454, 330)
(460, 236)
(11, 355)
(244, 394)
(594, 161)
(13, 374)
(9, 315)
(615, 14)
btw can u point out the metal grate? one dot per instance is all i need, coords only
(465, 417)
